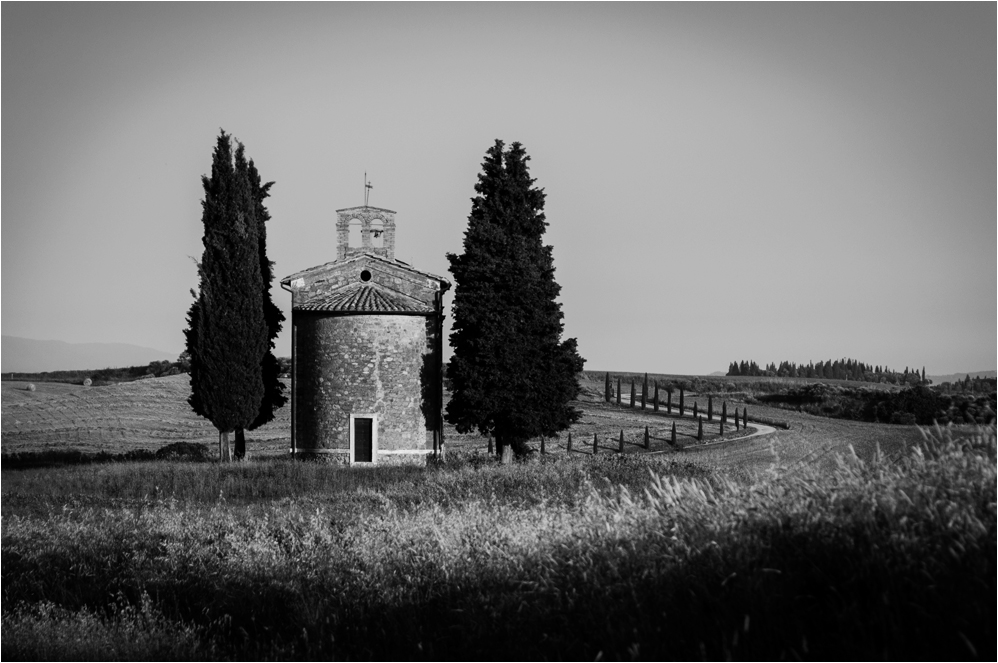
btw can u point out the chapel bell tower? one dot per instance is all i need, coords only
(377, 232)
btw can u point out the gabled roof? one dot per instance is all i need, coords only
(365, 256)
(366, 298)
(366, 207)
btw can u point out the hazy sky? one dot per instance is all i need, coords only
(724, 181)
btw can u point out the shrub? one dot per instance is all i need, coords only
(189, 451)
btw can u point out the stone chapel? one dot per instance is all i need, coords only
(366, 350)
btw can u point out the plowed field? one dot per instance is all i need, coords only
(145, 414)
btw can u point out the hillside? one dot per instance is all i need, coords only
(145, 414)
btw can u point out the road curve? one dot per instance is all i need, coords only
(760, 429)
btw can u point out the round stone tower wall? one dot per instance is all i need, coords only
(360, 364)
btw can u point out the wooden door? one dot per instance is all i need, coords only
(363, 440)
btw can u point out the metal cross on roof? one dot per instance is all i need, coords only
(367, 188)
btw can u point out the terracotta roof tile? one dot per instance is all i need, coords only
(365, 298)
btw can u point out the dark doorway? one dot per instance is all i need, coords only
(363, 434)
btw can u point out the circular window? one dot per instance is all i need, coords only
(365, 275)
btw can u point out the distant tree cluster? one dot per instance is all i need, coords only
(839, 369)
(969, 385)
(105, 376)
(912, 405)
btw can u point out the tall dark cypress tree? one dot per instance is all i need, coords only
(511, 374)
(227, 330)
(273, 388)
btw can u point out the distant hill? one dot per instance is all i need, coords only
(25, 355)
(939, 379)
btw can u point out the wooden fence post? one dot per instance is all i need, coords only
(595, 444)
(569, 440)
(621, 448)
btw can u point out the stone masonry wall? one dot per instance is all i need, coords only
(358, 364)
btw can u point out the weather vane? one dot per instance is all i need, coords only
(367, 189)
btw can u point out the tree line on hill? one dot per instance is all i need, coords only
(917, 404)
(106, 376)
(969, 385)
(839, 369)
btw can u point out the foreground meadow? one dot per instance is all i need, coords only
(613, 557)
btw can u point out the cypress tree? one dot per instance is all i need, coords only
(227, 334)
(656, 395)
(710, 408)
(273, 388)
(607, 389)
(682, 403)
(699, 429)
(618, 391)
(620, 448)
(633, 397)
(644, 392)
(673, 442)
(511, 374)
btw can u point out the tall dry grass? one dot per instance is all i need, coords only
(576, 559)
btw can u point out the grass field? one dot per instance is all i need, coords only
(783, 546)
(149, 414)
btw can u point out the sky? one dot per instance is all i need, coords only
(724, 182)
